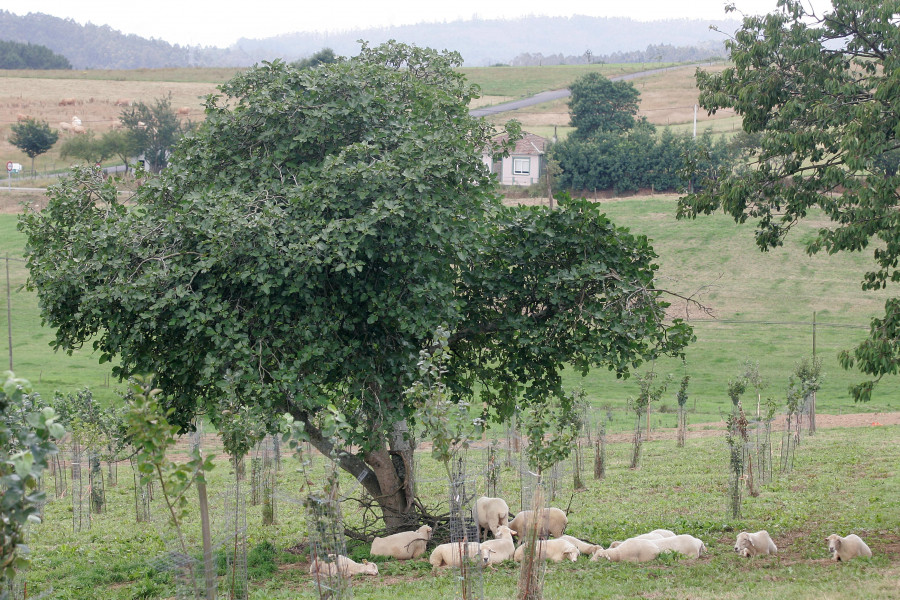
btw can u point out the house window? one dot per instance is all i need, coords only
(521, 166)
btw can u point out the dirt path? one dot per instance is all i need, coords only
(823, 421)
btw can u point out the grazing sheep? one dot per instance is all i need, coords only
(490, 513)
(67, 102)
(631, 550)
(553, 521)
(347, 566)
(123, 102)
(684, 544)
(79, 129)
(183, 111)
(22, 117)
(754, 544)
(500, 548)
(847, 548)
(556, 550)
(583, 547)
(448, 555)
(403, 545)
(76, 121)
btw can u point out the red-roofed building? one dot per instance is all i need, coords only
(525, 163)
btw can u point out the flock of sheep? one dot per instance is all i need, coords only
(492, 514)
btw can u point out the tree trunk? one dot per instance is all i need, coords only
(385, 473)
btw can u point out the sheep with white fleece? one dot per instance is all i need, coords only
(491, 513)
(500, 548)
(755, 544)
(556, 550)
(684, 544)
(847, 548)
(583, 547)
(448, 555)
(631, 550)
(552, 521)
(346, 566)
(403, 545)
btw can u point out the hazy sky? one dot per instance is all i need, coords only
(192, 22)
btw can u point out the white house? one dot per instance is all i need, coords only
(525, 163)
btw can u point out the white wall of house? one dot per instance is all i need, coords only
(520, 170)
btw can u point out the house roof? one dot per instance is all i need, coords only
(530, 143)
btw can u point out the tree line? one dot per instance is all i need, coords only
(16, 55)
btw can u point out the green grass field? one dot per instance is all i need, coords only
(843, 481)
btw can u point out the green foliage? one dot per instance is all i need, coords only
(33, 137)
(27, 435)
(820, 92)
(309, 239)
(598, 105)
(682, 395)
(636, 159)
(325, 56)
(153, 436)
(91, 149)
(736, 389)
(154, 129)
(16, 55)
(261, 560)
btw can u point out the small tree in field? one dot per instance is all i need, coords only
(641, 406)
(88, 147)
(33, 137)
(682, 398)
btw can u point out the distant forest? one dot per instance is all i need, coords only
(653, 53)
(16, 55)
(480, 42)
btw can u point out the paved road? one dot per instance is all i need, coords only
(556, 94)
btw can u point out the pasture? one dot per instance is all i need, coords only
(844, 480)
(666, 98)
(760, 309)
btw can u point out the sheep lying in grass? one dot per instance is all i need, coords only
(490, 513)
(656, 534)
(347, 566)
(499, 549)
(684, 544)
(847, 548)
(552, 521)
(754, 544)
(403, 545)
(448, 555)
(583, 547)
(631, 550)
(556, 550)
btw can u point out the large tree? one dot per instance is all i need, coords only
(310, 239)
(821, 92)
(33, 137)
(598, 106)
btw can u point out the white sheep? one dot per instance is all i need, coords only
(347, 566)
(448, 555)
(653, 535)
(847, 548)
(583, 547)
(684, 544)
(553, 521)
(631, 550)
(556, 550)
(490, 513)
(403, 545)
(663, 533)
(754, 544)
(500, 548)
